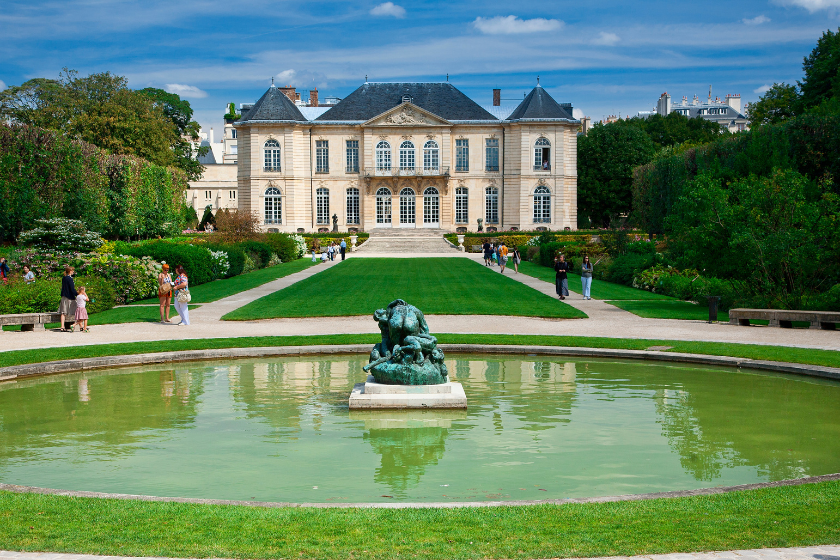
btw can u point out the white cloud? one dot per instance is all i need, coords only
(757, 20)
(812, 5)
(763, 89)
(608, 39)
(2, 85)
(388, 9)
(509, 25)
(185, 91)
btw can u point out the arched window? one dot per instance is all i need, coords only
(431, 156)
(542, 205)
(272, 155)
(353, 206)
(273, 206)
(383, 156)
(408, 214)
(431, 206)
(383, 206)
(407, 155)
(491, 205)
(462, 205)
(542, 155)
(322, 206)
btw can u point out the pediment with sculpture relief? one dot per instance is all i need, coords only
(407, 114)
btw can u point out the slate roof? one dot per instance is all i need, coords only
(372, 99)
(273, 106)
(540, 105)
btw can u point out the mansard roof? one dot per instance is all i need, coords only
(540, 105)
(372, 99)
(273, 106)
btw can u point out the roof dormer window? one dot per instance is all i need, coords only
(406, 98)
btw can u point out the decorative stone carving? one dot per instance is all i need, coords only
(407, 116)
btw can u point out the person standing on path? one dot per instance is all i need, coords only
(503, 253)
(343, 248)
(68, 297)
(164, 292)
(517, 258)
(586, 277)
(81, 311)
(487, 248)
(561, 280)
(182, 291)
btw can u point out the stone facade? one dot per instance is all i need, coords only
(428, 170)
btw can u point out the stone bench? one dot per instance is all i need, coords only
(784, 318)
(30, 321)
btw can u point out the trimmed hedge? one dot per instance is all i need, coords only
(260, 252)
(196, 260)
(283, 246)
(44, 294)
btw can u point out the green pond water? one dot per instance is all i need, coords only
(279, 430)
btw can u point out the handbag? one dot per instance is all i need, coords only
(184, 296)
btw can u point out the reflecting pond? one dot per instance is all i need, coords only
(278, 429)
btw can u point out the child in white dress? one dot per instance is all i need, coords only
(81, 309)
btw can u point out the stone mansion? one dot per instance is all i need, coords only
(408, 155)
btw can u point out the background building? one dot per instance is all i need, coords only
(726, 112)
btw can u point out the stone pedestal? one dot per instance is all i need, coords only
(373, 395)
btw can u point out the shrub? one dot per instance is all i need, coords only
(827, 301)
(189, 217)
(623, 269)
(513, 240)
(548, 251)
(235, 254)
(286, 247)
(235, 227)
(61, 234)
(533, 254)
(44, 294)
(260, 252)
(641, 248)
(207, 218)
(220, 263)
(99, 290)
(249, 265)
(196, 260)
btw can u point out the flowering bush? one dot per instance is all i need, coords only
(221, 263)
(300, 245)
(61, 234)
(274, 261)
(249, 265)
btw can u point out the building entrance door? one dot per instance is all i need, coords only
(408, 214)
(431, 208)
(383, 208)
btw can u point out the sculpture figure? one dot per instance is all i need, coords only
(335, 223)
(407, 354)
(480, 225)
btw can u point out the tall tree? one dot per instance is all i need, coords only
(822, 71)
(778, 103)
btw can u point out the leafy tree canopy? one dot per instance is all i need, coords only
(102, 110)
(675, 129)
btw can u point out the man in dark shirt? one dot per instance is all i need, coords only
(68, 298)
(487, 253)
(561, 281)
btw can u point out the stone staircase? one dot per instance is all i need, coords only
(406, 240)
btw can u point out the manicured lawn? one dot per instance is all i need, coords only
(600, 289)
(218, 289)
(449, 286)
(802, 515)
(669, 309)
(828, 358)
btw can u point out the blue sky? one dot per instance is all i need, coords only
(605, 57)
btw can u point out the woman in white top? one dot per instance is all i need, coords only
(28, 275)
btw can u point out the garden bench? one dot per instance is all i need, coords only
(784, 318)
(30, 321)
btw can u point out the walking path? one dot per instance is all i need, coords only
(825, 552)
(604, 321)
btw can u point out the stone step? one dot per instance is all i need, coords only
(406, 245)
(406, 232)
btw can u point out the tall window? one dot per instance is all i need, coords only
(353, 157)
(383, 156)
(233, 133)
(431, 206)
(407, 155)
(407, 207)
(273, 206)
(491, 154)
(383, 206)
(461, 205)
(272, 155)
(322, 156)
(431, 156)
(462, 154)
(353, 206)
(322, 206)
(491, 205)
(542, 155)
(542, 205)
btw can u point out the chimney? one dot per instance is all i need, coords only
(289, 91)
(734, 101)
(211, 135)
(497, 97)
(313, 97)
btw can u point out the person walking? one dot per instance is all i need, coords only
(586, 277)
(487, 248)
(4, 270)
(331, 251)
(182, 296)
(561, 280)
(28, 275)
(503, 257)
(164, 292)
(494, 254)
(67, 306)
(517, 258)
(343, 247)
(81, 310)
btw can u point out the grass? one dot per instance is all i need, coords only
(218, 289)
(802, 515)
(121, 315)
(673, 309)
(829, 358)
(599, 290)
(435, 285)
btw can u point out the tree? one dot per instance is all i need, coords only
(779, 103)
(606, 158)
(822, 71)
(675, 129)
